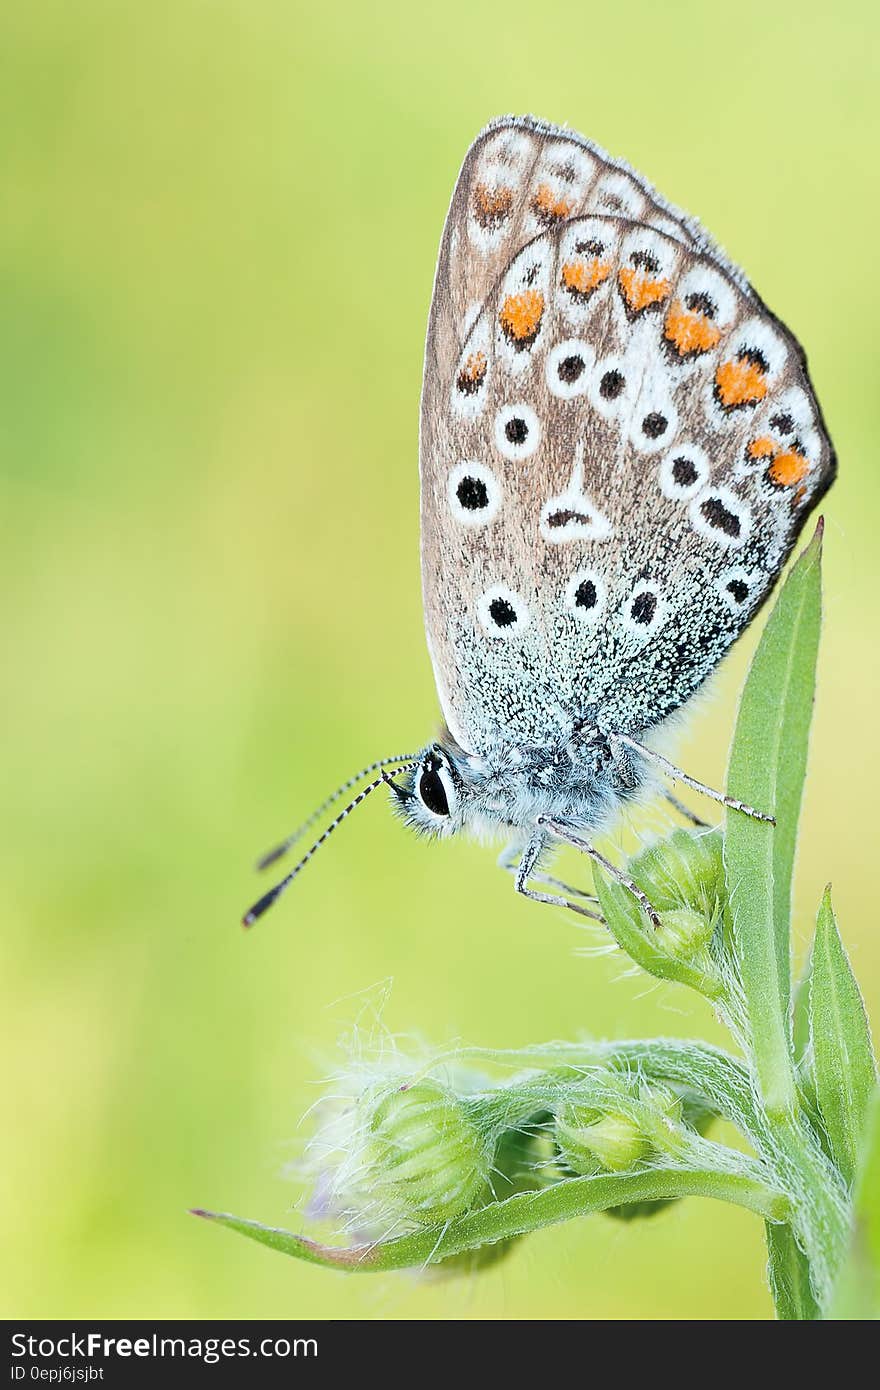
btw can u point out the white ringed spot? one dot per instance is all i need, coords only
(738, 587)
(517, 431)
(683, 472)
(655, 423)
(616, 193)
(502, 612)
(644, 609)
(719, 516)
(568, 368)
(612, 388)
(474, 493)
(572, 515)
(585, 595)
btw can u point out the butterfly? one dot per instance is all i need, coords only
(619, 447)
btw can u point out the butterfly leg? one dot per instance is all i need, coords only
(686, 811)
(562, 832)
(676, 773)
(509, 860)
(530, 856)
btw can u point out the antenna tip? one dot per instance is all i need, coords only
(273, 855)
(264, 902)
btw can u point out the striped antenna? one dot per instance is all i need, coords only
(273, 855)
(264, 903)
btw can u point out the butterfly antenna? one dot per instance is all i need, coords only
(266, 901)
(273, 855)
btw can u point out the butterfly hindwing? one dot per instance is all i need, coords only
(619, 447)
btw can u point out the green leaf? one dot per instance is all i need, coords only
(789, 1274)
(524, 1212)
(844, 1069)
(802, 1049)
(857, 1295)
(766, 770)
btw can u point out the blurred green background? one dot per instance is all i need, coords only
(218, 238)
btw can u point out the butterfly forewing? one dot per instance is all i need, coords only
(619, 446)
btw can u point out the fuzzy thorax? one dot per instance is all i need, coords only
(582, 781)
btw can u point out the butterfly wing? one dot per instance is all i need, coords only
(619, 447)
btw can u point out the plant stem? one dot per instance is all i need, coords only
(820, 1207)
(717, 1076)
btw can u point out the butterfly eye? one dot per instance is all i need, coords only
(432, 789)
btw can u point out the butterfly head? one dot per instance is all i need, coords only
(446, 789)
(437, 793)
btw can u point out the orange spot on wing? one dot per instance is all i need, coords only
(641, 291)
(475, 366)
(788, 469)
(472, 373)
(741, 381)
(689, 331)
(582, 277)
(520, 315)
(492, 205)
(786, 466)
(549, 206)
(762, 448)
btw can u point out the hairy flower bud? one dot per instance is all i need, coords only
(589, 1143)
(422, 1153)
(684, 933)
(663, 1119)
(683, 875)
(613, 1140)
(684, 870)
(525, 1160)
